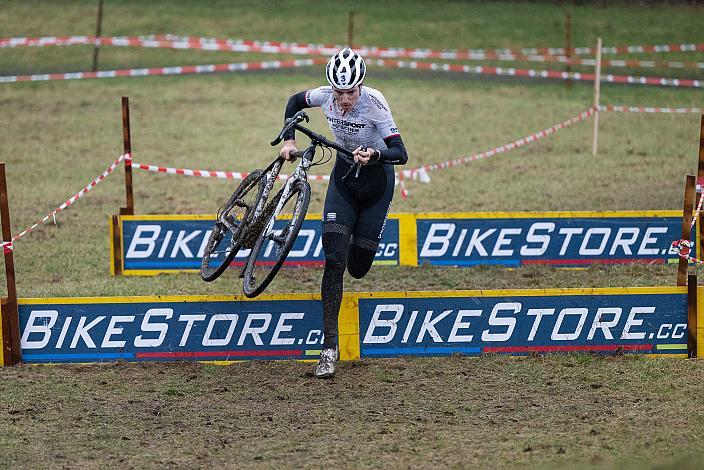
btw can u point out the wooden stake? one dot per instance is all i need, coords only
(597, 96)
(686, 226)
(568, 47)
(127, 149)
(9, 307)
(700, 183)
(350, 29)
(98, 28)
(692, 315)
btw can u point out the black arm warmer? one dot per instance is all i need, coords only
(395, 154)
(295, 103)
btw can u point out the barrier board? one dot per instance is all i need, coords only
(566, 239)
(386, 324)
(152, 244)
(645, 320)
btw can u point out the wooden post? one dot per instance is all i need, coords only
(350, 29)
(9, 305)
(686, 226)
(692, 315)
(700, 180)
(127, 149)
(597, 96)
(568, 47)
(98, 28)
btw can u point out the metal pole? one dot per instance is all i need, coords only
(350, 29)
(597, 96)
(15, 353)
(568, 47)
(127, 149)
(98, 28)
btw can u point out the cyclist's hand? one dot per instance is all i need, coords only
(286, 149)
(363, 155)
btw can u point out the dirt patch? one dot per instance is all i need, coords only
(458, 411)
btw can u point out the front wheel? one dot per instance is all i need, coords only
(271, 249)
(225, 241)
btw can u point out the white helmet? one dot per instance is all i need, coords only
(345, 70)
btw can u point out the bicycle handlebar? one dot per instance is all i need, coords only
(294, 123)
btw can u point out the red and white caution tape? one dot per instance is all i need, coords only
(183, 70)
(239, 45)
(684, 247)
(648, 109)
(8, 246)
(642, 49)
(230, 175)
(421, 172)
(513, 72)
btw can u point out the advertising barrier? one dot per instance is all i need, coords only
(153, 244)
(566, 239)
(157, 244)
(384, 324)
(652, 321)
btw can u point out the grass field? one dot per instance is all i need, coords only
(57, 136)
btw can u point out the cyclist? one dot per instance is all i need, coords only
(355, 209)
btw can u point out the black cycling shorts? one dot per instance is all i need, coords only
(359, 206)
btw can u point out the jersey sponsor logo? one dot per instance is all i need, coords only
(558, 241)
(153, 245)
(343, 124)
(331, 216)
(170, 331)
(652, 323)
(378, 103)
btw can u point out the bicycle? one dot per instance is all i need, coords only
(250, 220)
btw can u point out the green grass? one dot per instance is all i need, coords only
(568, 411)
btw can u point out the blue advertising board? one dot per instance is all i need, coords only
(151, 329)
(558, 239)
(155, 244)
(646, 320)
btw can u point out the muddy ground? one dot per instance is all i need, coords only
(452, 412)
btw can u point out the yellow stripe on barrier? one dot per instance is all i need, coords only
(553, 214)
(526, 292)
(408, 240)
(371, 295)
(348, 328)
(2, 340)
(700, 321)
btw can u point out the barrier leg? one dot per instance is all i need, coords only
(12, 354)
(692, 315)
(686, 226)
(127, 148)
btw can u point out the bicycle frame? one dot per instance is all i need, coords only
(299, 174)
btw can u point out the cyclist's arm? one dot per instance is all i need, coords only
(394, 154)
(295, 103)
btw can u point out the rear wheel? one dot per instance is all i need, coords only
(226, 239)
(270, 251)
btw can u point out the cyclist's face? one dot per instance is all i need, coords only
(346, 98)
